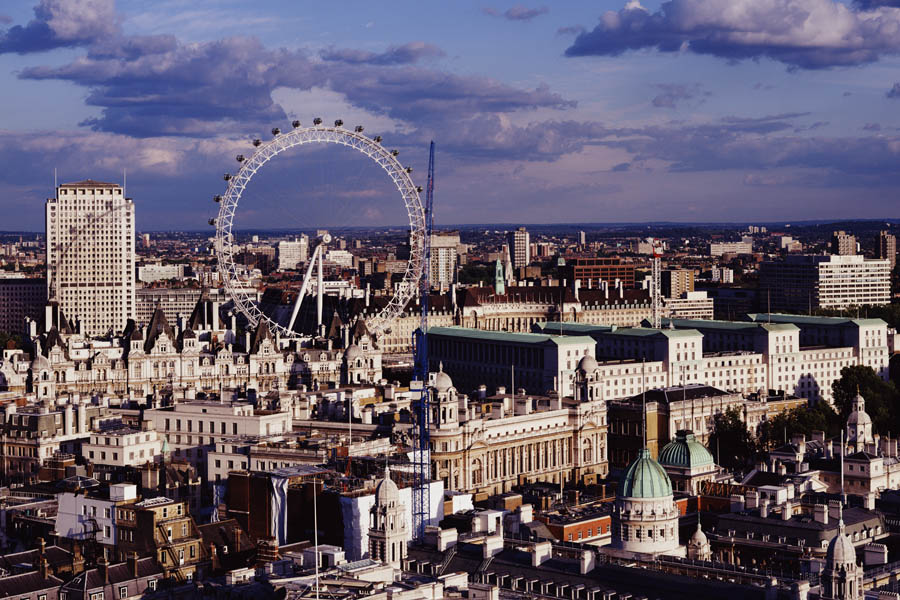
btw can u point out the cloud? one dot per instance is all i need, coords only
(5, 19)
(894, 92)
(517, 12)
(61, 24)
(621, 167)
(807, 34)
(870, 4)
(394, 55)
(872, 127)
(673, 93)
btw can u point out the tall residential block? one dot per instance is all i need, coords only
(804, 282)
(90, 254)
(843, 243)
(293, 253)
(20, 297)
(519, 242)
(886, 247)
(444, 248)
(676, 282)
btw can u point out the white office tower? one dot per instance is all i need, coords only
(519, 247)
(292, 254)
(90, 254)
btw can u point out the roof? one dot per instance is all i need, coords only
(727, 325)
(685, 451)
(26, 583)
(810, 320)
(644, 478)
(118, 573)
(504, 336)
(691, 391)
(89, 183)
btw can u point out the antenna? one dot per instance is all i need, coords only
(644, 403)
(843, 497)
(124, 182)
(55, 183)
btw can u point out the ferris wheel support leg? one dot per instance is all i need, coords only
(319, 289)
(304, 287)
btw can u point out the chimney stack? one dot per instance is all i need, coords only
(133, 564)
(103, 568)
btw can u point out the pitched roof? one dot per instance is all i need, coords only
(261, 334)
(26, 583)
(158, 326)
(118, 573)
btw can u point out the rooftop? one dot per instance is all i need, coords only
(507, 337)
(90, 183)
(809, 320)
(727, 325)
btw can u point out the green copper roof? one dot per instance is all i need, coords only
(645, 478)
(510, 337)
(685, 452)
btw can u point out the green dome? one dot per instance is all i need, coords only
(644, 478)
(685, 452)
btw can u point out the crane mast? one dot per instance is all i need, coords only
(422, 449)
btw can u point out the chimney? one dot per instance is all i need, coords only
(787, 511)
(42, 545)
(133, 564)
(237, 537)
(820, 513)
(103, 568)
(44, 566)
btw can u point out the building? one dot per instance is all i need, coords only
(21, 297)
(690, 305)
(645, 516)
(800, 283)
(492, 443)
(444, 248)
(591, 272)
(519, 242)
(123, 447)
(688, 463)
(90, 254)
(174, 302)
(722, 275)
(537, 363)
(133, 578)
(842, 577)
(87, 512)
(843, 243)
(157, 272)
(886, 247)
(293, 253)
(720, 248)
(676, 282)
(388, 535)
(582, 239)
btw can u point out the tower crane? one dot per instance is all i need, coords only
(422, 448)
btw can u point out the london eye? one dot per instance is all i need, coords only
(231, 271)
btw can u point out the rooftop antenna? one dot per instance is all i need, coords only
(843, 497)
(644, 402)
(124, 182)
(55, 183)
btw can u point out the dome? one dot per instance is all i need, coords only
(699, 539)
(387, 492)
(40, 363)
(352, 353)
(840, 549)
(588, 364)
(645, 478)
(859, 416)
(685, 452)
(442, 381)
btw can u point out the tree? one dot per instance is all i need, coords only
(882, 398)
(731, 442)
(803, 419)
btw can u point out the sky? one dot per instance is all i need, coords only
(604, 111)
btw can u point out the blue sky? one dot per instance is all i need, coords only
(687, 110)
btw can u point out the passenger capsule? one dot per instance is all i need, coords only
(409, 169)
(395, 152)
(295, 124)
(358, 129)
(338, 123)
(317, 121)
(212, 221)
(240, 158)
(217, 198)
(227, 177)
(275, 131)
(257, 142)
(419, 188)
(377, 139)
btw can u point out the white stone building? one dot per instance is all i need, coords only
(123, 447)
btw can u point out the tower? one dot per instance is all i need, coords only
(859, 424)
(519, 247)
(444, 401)
(90, 254)
(387, 533)
(499, 281)
(698, 546)
(842, 577)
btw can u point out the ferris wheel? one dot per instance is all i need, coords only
(231, 273)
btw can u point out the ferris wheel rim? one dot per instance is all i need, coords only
(264, 152)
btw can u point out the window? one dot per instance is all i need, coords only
(42, 597)
(97, 596)
(151, 584)
(123, 591)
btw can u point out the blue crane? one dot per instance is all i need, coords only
(422, 449)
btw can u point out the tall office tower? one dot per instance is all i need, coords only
(90, 254)
(290, 254)
(443, 259)
(582, 238)
(843, 243)
(886, 247)
(519, 247)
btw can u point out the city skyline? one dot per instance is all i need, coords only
(555, 114)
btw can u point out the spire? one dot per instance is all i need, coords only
(499, 281)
